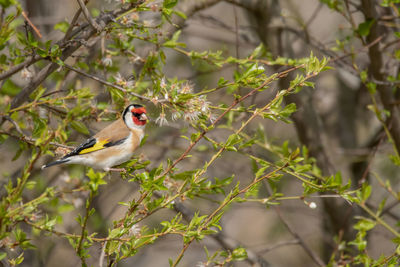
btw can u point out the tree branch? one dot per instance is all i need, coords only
(93, 77)
(88, 17)
(376, 71)
(82, 34)
(224, 241)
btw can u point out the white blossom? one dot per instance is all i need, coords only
(161, 120)
(119, 79)
(134, 230)
(106, 61)
(176, 115)
(204, 104)
(186, 88)
(191, 115)
(163, 83)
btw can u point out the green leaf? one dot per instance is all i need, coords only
(288, 110)
(364, 225)
(40, 125)
(2, 255)
(180, 14)
(174, 40)
(170, 3)
(80, 127)
(253, 190)
(365, 27)
(371, 87)
(7, 3)
(365, 192)
(10, 88)
(233, 139)
(62, 26)
(239, 254)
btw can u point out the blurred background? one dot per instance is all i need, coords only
(332, 120)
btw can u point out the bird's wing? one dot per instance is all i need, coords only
(114, 134)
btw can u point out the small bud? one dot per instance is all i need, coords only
(312, 205)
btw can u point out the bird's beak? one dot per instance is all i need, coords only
(143, 117)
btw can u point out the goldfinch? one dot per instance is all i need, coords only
(111, 146)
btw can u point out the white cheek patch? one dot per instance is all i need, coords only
(129, 122)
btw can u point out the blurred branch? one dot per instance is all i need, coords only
(278, 245)
(73, 21)
(32, 25)
(14, 69)
(88, 17)
(376, 71)
(309, 251)
(189, 8)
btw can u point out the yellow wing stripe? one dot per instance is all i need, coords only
(99, 145)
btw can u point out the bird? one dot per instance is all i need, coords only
(111, 146)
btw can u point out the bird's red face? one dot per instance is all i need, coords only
(139, 116)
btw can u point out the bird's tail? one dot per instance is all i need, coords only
(60, 161)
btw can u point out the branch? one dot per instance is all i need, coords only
(189, 9)
(376, 71)
(14, 69)
(223, 240)
(32, 25)
(308, 250)
(93, 77)
(73, 21)
(88, 17)
(280, 244)
(28, 139)
(82, 33)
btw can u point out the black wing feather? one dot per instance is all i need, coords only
(88, 144)
(115, 143)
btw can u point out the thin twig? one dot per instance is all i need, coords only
(235, 102)
(83, 34)
(28, 139)
(278, 245)
(226, 202)
(72, 24)
(83, 232)
(32, 25)
(14, 69)
(32, 141)
(308, 250)
(225, 241)
(93, 77)
(88, 17)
